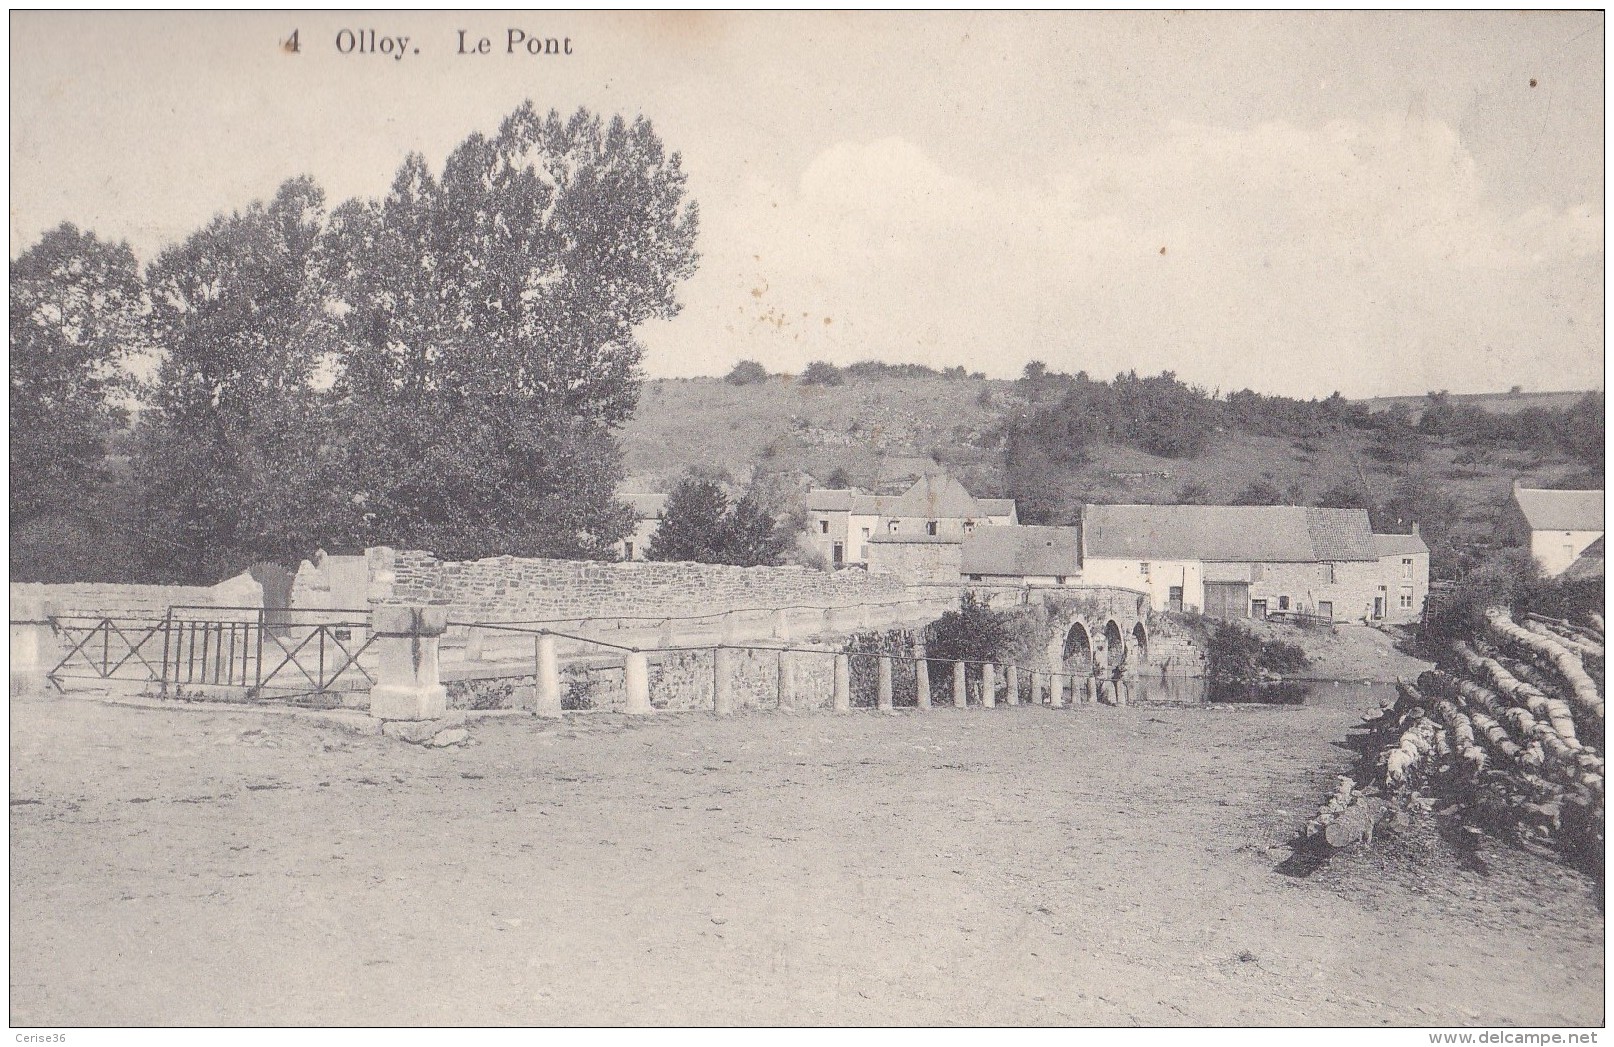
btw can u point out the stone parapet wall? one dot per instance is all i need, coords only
(513, 589)
(113, 600)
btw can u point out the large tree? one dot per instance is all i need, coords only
(699, 524)
(484, 330)
(77, 311)
(230, 456)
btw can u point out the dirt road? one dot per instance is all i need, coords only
(1012, 866)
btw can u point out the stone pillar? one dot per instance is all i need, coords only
(666, 639)
(883, 697)
(547, 701)
(34, 651)
(843, 683)
(1092, 690)
(1011, 683)
(723, 681)
(863, 621)
(473, 643)
(781, 624)
(407, 685)
(989, 685)
(636, 682)
(961, 695)
(1036, 687)
(728, 624)
(921, 672)
(1056, 690)
(1123, 691)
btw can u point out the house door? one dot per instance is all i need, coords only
(1325, 609)
(840, 552)
(1258, 608)
(1227, 599)
(1378, 607)
(1174, 598)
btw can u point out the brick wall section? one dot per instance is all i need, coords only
(511, 589)
(111, 600)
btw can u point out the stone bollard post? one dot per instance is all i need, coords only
(548, 681)
(1011, 683)
(728, 623)
(1056, 690)
(843, 683)
(921, 673)
(1092, 690)
(989, 685)
(961, 694)
(665, 641)
(863, 621)
(781, 624)
(787, 680)
(473, 643)
(407, 686)
(1123, 691)
(636, 682)
(1036, 687)
(883, 697)
(723, 681)
(34, 650)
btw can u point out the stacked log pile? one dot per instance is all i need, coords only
(1506, 736)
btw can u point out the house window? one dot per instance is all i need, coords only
(930, 528)
(893, 526)
(1143, 569)
(975, 577)
(865, 532)
(627, 550)
(1283, 603)
(1059, 579)
(1406, 568)
(969, 527)
(1406, 599)
(1332, 577)
(823, 527)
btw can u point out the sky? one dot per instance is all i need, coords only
(1379, 203)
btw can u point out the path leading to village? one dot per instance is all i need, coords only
(1009, 866)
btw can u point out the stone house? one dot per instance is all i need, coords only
(935, 506)
(1250, 561)
(1556, 526)
(1404, 574)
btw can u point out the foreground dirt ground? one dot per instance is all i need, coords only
(1096, 866)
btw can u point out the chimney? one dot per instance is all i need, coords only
(1414, 528)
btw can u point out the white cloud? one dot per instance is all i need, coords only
(1363, 255)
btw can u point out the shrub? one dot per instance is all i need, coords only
(822, 372)
(973, 633)
(746, 372)
(1234, 654)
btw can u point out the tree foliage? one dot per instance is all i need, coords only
(822, 372)
(698, 524)
(228, 457)
(77, 312)
(973, 633)
(483, 326)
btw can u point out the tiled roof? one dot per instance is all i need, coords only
(936, 497)
(830, 499)
(916, 539)
(1561, 510)
(1023, 551)
(1398, 544)
(1589, 564)
(1232, 533)
(645, 506)
(996, 506)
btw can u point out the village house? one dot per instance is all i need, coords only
(1041, 556)
(844, 520)
(1556, 526)
(1256, 561)
(647, 509)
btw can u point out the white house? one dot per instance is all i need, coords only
(1556, 526)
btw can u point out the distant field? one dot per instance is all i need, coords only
(882, 428)
(1498, 403)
